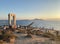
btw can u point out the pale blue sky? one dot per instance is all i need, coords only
(30, 9)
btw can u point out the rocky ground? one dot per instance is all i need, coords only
(22, 39)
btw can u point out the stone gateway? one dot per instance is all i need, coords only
(10, 22)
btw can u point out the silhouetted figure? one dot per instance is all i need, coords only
(10, 26)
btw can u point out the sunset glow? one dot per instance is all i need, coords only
(30, 9)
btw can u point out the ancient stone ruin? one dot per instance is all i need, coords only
(10, 21)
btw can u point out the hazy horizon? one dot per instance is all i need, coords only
(56, 19)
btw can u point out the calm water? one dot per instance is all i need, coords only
(37, 23)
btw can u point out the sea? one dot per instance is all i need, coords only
(37, 23)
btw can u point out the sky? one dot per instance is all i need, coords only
(30, 9)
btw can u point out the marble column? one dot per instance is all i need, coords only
(9, 19)
(14, 20)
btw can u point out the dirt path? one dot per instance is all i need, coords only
(34, 40)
